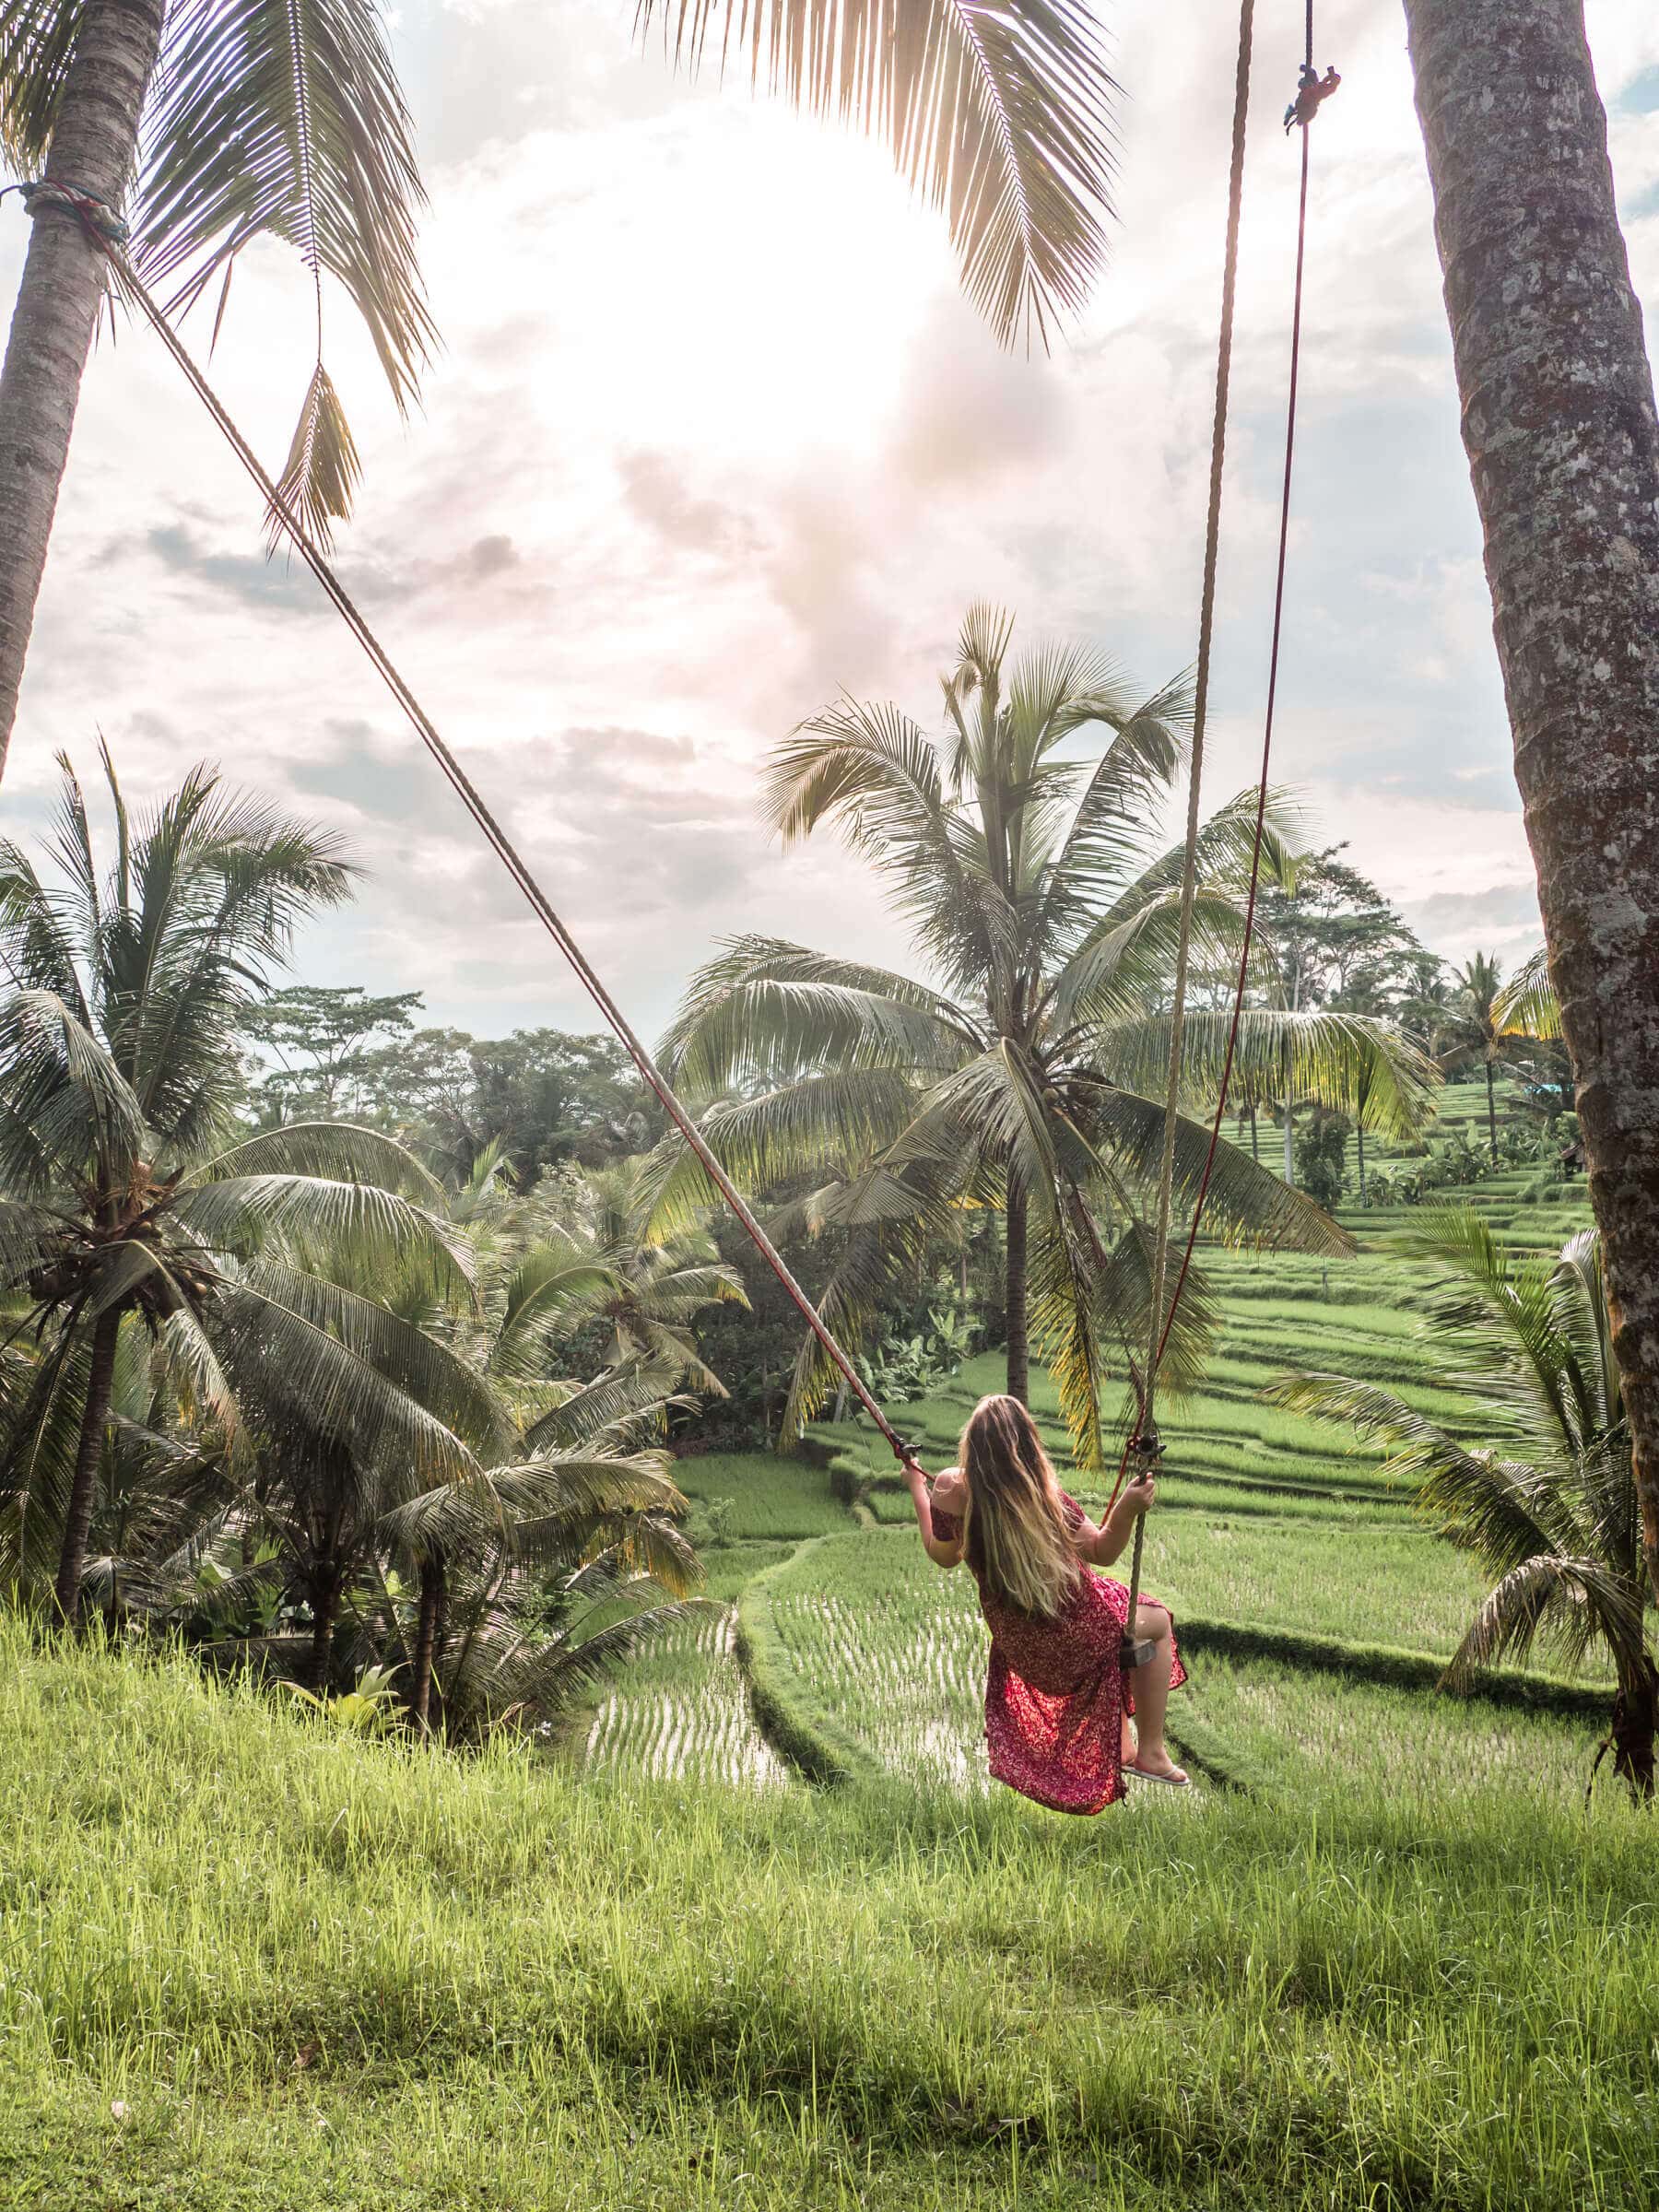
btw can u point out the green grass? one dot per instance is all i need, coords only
(774, 1498)
(1306, 1731)
(251, 1965)
(316, 1972)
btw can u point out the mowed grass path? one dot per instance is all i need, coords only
(249, 1964)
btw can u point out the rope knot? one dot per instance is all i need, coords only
(96, 214)
(1147, 1446)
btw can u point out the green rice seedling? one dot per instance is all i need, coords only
(682, 1713)
(1315, 1732)
(773, 1497)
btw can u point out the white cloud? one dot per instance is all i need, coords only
(712, 435)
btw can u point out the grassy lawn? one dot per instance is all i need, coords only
(253, 1965)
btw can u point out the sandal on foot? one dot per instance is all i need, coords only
(1177, 1780)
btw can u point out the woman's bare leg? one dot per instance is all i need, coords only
(1152, 1692)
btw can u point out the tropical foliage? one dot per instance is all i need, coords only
(1475, 1030)
(1024, 1070)
(257, 1384)
(1550, 1506)
(1000, 116)
(266, 119)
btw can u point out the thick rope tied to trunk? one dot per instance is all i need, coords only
(108, 233)
(96, 215)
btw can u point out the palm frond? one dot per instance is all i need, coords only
(1114, 975)
(764, 1010)
(41, 1398)
(37, 37)
(325, 1362)
(1107, 833)
(320, 473)
(366, 1228)
(70, 1107)
(338, 1149)
(1247, 1203)
(815, 1124)
(1527, 1005)
(38, 928)
(1571, 1604)
(1499, 1508)
(284, 119)
(632, 1395)
(1354, 1062)
(996, 110)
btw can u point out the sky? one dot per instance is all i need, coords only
(713, 437)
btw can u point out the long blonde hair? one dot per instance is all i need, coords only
(1015, 1534)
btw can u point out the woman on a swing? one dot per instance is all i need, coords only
(1057, 1707)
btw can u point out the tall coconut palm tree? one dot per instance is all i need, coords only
(541, 1575)
(586, 1469)
(1477, 1030)
(1562, 434)
(1026, 1067)
(127, 1196)
(1549, 1508)
(217, 121)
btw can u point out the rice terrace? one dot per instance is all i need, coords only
(829, 1106)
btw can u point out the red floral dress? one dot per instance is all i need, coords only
(1054, 1692)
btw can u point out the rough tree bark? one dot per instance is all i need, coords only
(1635, 1721)
(93, 145)
(83, 1488)
(1019, 1356)
(1563, 442)
(324, 1594)
(428, 1635)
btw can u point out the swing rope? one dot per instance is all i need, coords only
(107, 233)
(1144, 1444)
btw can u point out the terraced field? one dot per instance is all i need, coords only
(883, 1657)
(683, 1713)
(772, 1499)
(863, 1659)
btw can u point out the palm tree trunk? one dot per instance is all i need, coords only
(83, 1489)
(1019, 1356)
(1491, 1113)
(93, 145)
(1360, 1134)
(1563, 441)
(428, 1632)
(1256, 1142)
(1635, 1721)
(1290, 1148)
(326, 1612)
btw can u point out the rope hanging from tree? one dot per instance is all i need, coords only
(1145, 1447)
(107, 231)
